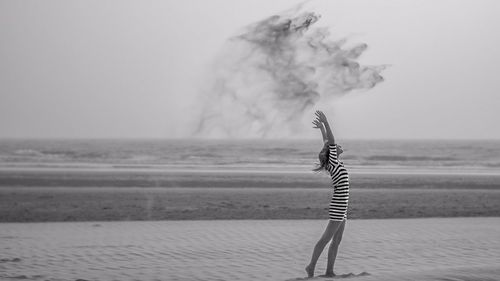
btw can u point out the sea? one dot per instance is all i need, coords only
(364, 156)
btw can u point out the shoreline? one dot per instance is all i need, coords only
(229, 169)
(188, 179)
(96, 223)
(60, 195)
(49, 204)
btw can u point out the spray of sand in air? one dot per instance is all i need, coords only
(274, 71)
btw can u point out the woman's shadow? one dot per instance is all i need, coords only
(324, 277)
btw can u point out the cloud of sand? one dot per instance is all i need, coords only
(275, 70)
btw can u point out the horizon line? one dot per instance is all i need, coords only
(244, 139)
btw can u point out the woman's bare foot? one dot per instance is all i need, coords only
(328, 274)
(310, 271)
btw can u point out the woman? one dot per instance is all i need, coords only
(329, 161)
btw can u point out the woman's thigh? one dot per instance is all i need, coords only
(337, 237)
(331, 229)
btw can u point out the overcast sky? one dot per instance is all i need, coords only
(99, 69)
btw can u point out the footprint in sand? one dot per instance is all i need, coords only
(10, 260)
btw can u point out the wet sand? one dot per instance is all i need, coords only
(34, 196)
(398, 249)
(108, 204)
(241, 178)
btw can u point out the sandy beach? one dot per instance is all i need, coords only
(113, 224)
(393, 249)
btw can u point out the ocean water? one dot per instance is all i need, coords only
(360, 155)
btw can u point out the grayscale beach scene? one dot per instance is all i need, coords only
(153, 210)
(249, 140)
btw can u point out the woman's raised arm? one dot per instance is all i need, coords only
(322, 118)
(318, 125)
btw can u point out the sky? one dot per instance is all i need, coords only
(136, 69)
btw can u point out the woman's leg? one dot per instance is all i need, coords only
(330, 231)
(332, 251)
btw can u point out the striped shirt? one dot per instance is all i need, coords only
(340, 183)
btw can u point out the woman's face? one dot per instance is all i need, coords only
(339, 150)
(322, 154)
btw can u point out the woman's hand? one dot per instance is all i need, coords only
(327, 135)
(321, 116)
(317, 124)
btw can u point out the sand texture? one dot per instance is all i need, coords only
(398, 249)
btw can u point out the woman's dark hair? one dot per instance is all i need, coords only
(323, 159)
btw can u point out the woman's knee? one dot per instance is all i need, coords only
(324, 240)
(335, 242)
(337, 239)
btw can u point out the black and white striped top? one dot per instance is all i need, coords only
(340, 183)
